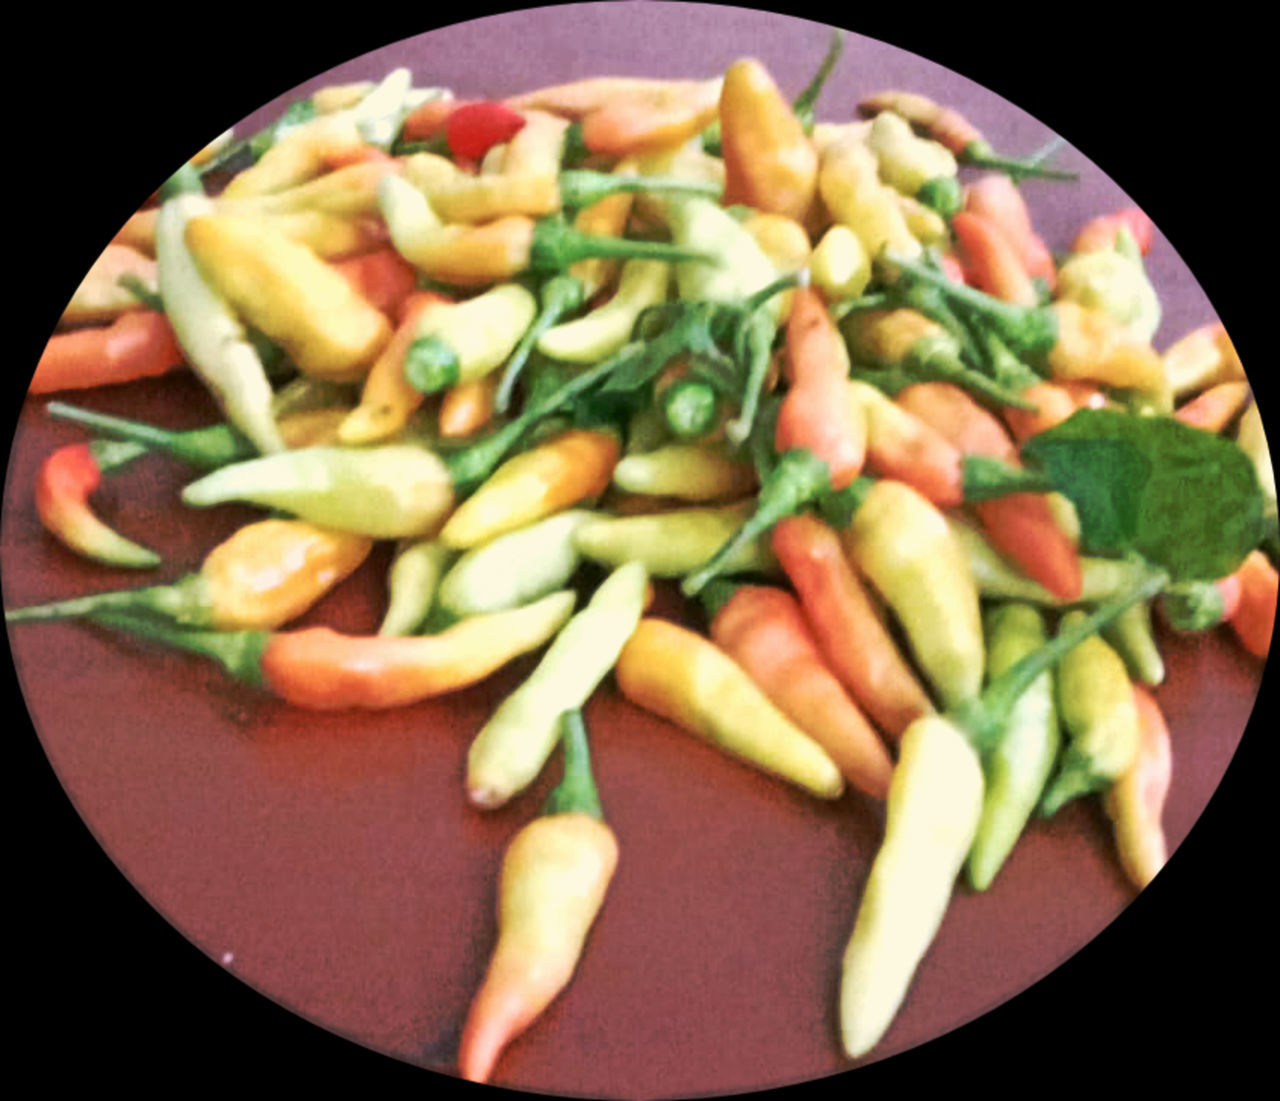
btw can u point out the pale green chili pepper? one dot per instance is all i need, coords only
(412, 583)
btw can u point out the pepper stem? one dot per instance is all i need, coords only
(716, 595)
(983, 719)
(838, 508)
(556, 245)
(576, 793)
(979, 154)
(184, 601)
(799, 478)
(582, 187)
(804, 102)
(205, 448)
(238, 652)
(561, 294)
(987, 478)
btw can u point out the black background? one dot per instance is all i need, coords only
(1178, 113)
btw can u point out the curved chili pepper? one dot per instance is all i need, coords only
(991, 262)
(999, 200)
(685, 678)
(1215, 408)
(850, 187)
(764, 630)
(552, 476)
(1132, 637)
(1095, 699)
(687, 471)
(1201, 358)
(903, 545)
(555, 875)
(138, 344)
(412, 584)
(321, 669)
(348, 192)
(600, 333)
(467, 407)
(908, 162)
(511, 748)
(66, 479)
(1018, 766)
(472, 129)
(1135, 802)
(932, 815)
(1254, 620)
(953, 130)
(770, 164)
(105, 292)
(514, 568)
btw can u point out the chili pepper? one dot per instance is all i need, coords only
(1254, 620)
(902, 544)
(1017, 767)
(383, 277)
(464, 341)
(1252, 439)
(1202, 358)
(1135, 801)
(1099, 234)
(731, 267)
(688, 680)
(943, 194)
(660, 118)
(998, 199)
(497, 250)
(290, 294)
(466, 407)
(839, 266)
(931, 818)
(848, 625)
(909, 347)
(1021, 526)
(514, 568)
(672, 543)
(389, 399)
(67, 478)
(815, 412)
(690, 408)
(349, 192)
(901, 446)
(1216, 407)
(850, 187)
(472, 129)
(139, 231)
(770, 164)
(555, 874)
(391, 491)
(1095, 700)
(954, 131)
(1074, 342)
(264, 575)
(1054, 403)
(606, 218)
(138, 344)
(906, 161)
(1130, 635)
(588, 339)
(993, 264)
(323, 670)
(511, 748)
(687, 471)
(764, 630)
(212, 338)
(101, 295)
(572, 467)
(925, 224)
(412, 584)
(1116, 284)
(1199, 605)
(560, 295)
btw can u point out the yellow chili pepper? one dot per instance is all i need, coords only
(687, 679)
(300, 155)
(840, 266)
(1201, 358)
(770, 164)
(600, 333)
(688, 471)
(552, 476)
(1093, 346)
(290, 294)
(907, 162)
(511, 748)
(1136, 800)
(101, 296)
(349, 192)
(850, 186)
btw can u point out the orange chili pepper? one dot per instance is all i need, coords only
(1254, 620)
(993, 264)
(1136, 800)
(1216, 407)
(998, 199)
(1054, 402)
(1099, 233)
(467, 407)
(382, 276)
(139, 344)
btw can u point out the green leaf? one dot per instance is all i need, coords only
(1184, 499)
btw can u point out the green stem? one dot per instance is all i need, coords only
(716, 595)
(115, 454)
(838, 508)
(186, 602)
(204, 448)
(576, 793)
(239, 653)
(561, 294)
(557, 245)
(582, 187)
(986, 478)
(757, 349)
(983, 719)
(799, 479)
(804, 102)
(431, 365)
(979, 154)
(936, 360)
(689, 408)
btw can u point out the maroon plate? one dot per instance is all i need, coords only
(330, 862)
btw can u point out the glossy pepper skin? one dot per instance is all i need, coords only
(1135, 802)
(1018, 767)
(511, 748)
(555, 875)
(1095, 700)
(138, 344)
(64, 483)
(685, 678)
(412, 582)
(264, 575)
(770, 163)
(903, 545)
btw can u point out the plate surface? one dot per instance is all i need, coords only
(330, 861)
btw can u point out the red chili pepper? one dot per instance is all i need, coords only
(992, 263)
(1100, 233)
(382, 276)
(1254, 619)
(474, 128)
(998, 199)
(64, 483)
(138, 344)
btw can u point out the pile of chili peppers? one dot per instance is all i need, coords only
(639, 330)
